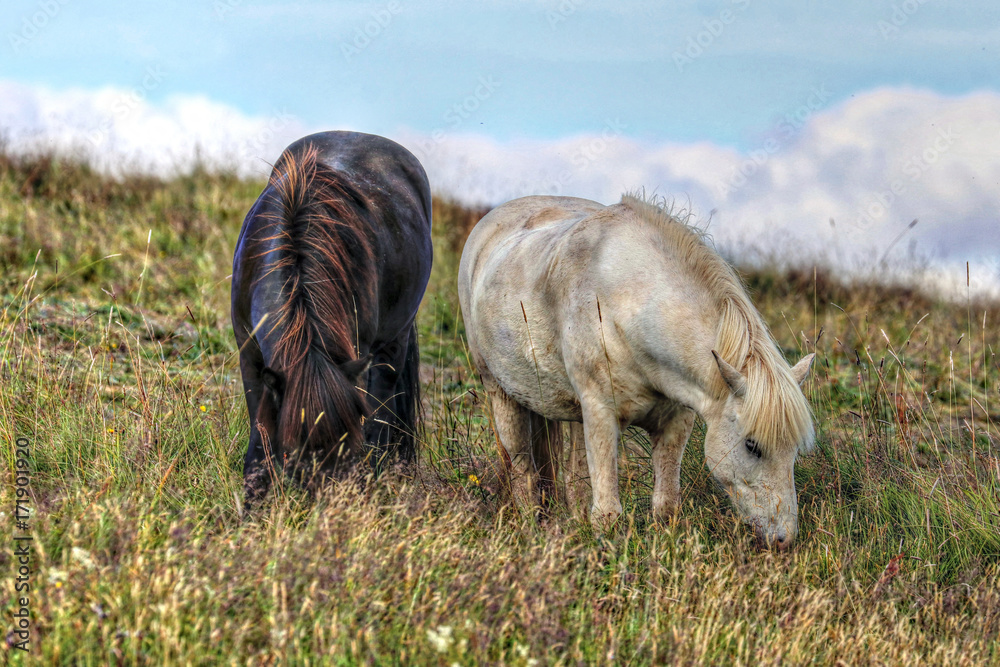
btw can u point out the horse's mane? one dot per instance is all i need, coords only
(774, 409)
(317, 248)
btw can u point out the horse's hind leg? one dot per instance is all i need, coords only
(257, 466)
(408, 399)
(578, 494)
(669, 437)
(546, 450)
(530, 447)
(393, 389)
(510, 422)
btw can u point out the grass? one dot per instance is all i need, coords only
(118, 365)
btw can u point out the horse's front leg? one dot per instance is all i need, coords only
(601, 432)
(669, 438)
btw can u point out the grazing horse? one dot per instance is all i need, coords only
(330, 266)
(619, 315)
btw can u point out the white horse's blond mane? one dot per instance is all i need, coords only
(775, 411)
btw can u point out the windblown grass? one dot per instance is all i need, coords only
(118, 364)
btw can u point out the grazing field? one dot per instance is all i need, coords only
(119, 367)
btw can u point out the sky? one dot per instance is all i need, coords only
(795, 130)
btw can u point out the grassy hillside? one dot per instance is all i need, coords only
(119, 367)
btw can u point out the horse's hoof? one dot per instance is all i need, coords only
(604, 522)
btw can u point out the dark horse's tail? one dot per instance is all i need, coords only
(320, 260)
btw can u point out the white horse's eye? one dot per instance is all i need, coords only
(753, 447)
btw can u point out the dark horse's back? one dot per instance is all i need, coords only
(329, 270)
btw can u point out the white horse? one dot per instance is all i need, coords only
(619, 315)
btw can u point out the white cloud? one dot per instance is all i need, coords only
(120, 129)
(871, 164)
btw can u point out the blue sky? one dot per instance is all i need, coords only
(561, 67)
(771, 118)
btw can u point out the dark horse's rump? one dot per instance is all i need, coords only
(331, 265)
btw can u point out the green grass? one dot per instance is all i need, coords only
(118, 364)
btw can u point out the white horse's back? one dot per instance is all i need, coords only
(556, 287)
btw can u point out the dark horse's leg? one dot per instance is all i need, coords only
(256, 471)
(408, 399)
(394, 393)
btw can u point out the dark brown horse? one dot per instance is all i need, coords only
(330, 266)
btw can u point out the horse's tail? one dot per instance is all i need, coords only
(320, 256)
(409, 408)
(321, 413)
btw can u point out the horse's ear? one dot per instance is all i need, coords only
(800, 371)
(354, 368)
(737, 383)
(273, 380)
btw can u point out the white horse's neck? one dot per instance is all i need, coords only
(682, 334)
(690, 389)
(661, 278)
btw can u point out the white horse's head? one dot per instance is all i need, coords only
(754, 435)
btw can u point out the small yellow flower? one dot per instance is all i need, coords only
(111, 430)
(203, 409)
(474, 479)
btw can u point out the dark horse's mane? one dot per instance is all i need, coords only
(317, 248)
